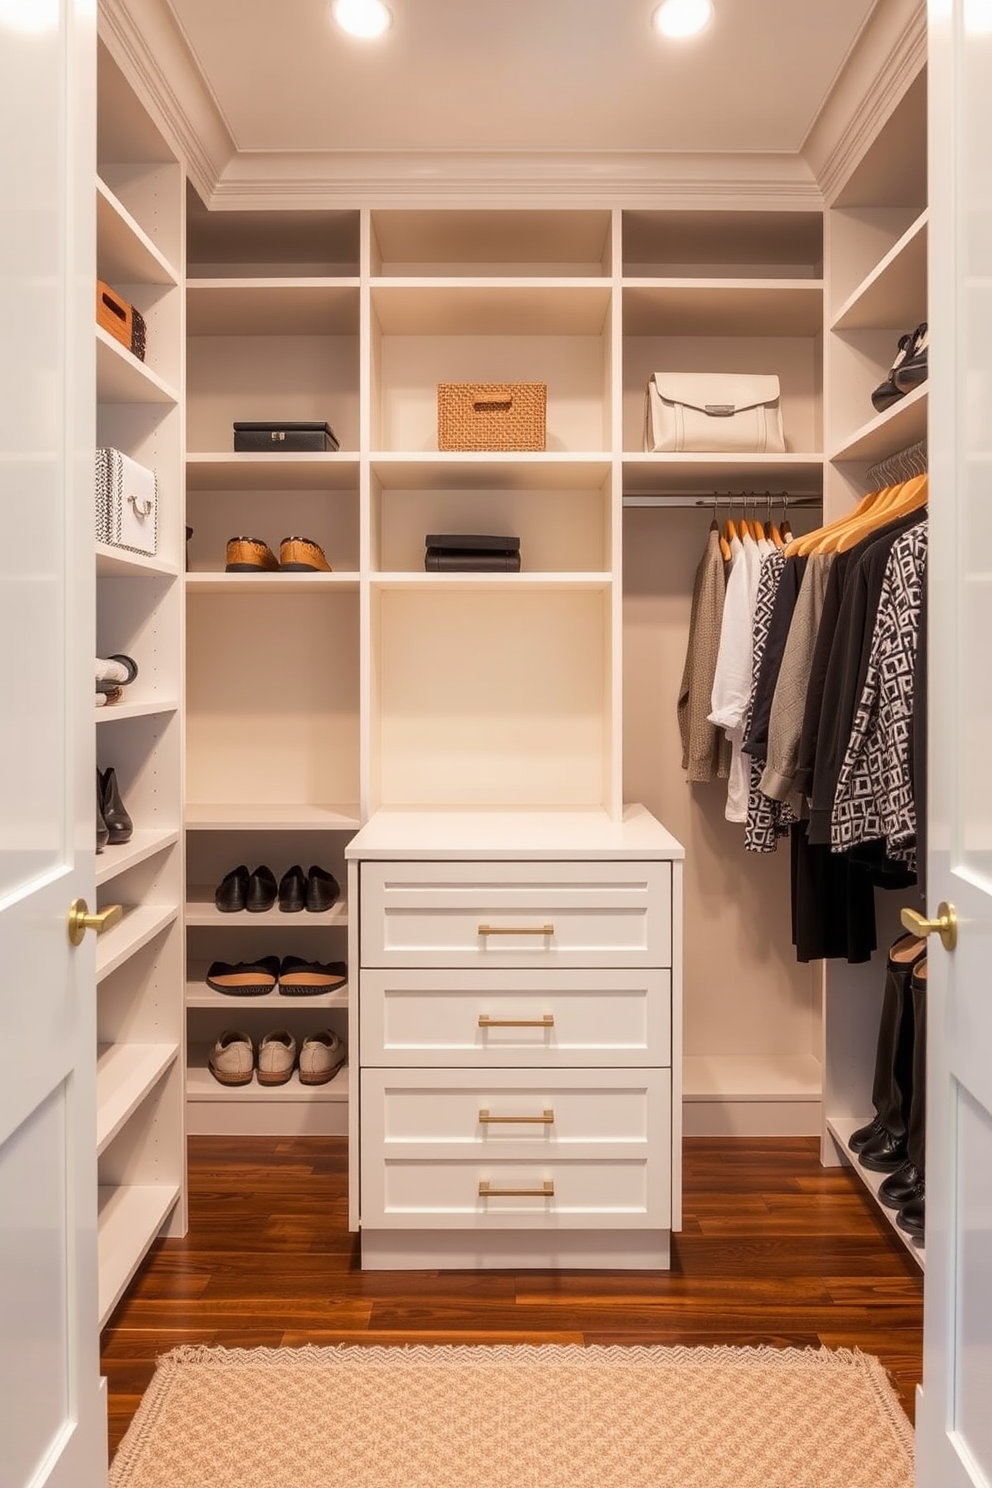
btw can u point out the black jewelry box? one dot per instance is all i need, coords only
(471, 552)
(283, 438)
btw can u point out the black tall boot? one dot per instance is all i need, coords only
(102, 831)
(912, 1211)
(119, 824)
(881, 1146)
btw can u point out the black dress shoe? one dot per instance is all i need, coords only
(231, 894)
(884, 1154)
(244, 978)
(865, 1134)
(900, 1186)
(293, 890)
(323, 890)
(261, 892)
(298, 978)
(912, 1215)
(119, 824)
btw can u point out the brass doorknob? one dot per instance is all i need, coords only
(80, 919)
(945, 925)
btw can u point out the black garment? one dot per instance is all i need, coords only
(918, 746)
(833, 903)
(839, 665)
(844, 678)
(756, 742)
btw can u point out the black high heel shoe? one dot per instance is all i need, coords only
(119, 824)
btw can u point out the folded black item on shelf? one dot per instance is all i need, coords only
(444, 560)
(471, 552)
(283, 438)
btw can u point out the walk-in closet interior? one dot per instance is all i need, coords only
(560, 953)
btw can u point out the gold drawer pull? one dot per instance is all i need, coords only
(548, 1021)
(545, 1119)
(516, 930)
(546, 1191)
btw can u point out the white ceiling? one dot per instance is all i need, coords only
(519, 75)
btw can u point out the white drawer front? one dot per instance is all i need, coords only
(488, 1019)
(446, 1149)
(531, 914)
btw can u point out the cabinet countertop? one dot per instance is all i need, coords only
(446, 834)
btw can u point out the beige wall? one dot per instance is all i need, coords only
(745, 993)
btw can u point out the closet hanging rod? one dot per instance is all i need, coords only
(694, 498)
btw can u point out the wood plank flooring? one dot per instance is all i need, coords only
(774, 1250)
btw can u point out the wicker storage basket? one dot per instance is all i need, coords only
(120, 319)
(491, 415)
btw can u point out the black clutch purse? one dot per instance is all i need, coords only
(471, 552)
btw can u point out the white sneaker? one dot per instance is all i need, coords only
(232, 1058)
(276, 1057)
(321, 1056)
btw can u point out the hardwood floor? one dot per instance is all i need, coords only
(774, 1250)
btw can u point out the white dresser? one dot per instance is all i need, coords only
(517, 1043)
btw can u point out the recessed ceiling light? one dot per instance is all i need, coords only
(362, 17)
(682, 17)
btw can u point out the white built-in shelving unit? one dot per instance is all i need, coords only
(140, 612)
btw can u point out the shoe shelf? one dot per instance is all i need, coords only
(723, 307)
(841, 1129)
(270, 583)
(145, 843)
(148, 708)
(121, 378)
(201, 910)
(895, 428)
(140, 924)
(894, 293)
(199, 995)
(127, 254)
(129, 1218)
(219, 471)
(201, 1085)
(294, 816)
(125, 1073)
(119, 563)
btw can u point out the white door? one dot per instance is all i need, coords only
(52, 1416)
(954, 1430)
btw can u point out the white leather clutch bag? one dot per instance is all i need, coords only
(713, 412)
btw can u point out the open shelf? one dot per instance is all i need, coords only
(145, 843)
(841, 1129)
(130, 1216)
(731, 307)
(114, 562)
(901, 425)
(201, 910)
(269, 582)
(121, 378)
(248, 816)
(125, 252)
(125, 1073)
(333, 471)
(448, 471)
(491, 307)
(648, 474)
(272, 307)
(139, 925)
(895, 292)
(199, 995)
(117, 712)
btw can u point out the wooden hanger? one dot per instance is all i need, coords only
(907, 498)
(809, 541)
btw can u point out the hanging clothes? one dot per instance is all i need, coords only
(705, 750)
(733, 678)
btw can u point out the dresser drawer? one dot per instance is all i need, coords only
(529, 914)
(488, 1019)
(516, 1152)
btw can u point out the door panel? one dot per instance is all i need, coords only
(52, 1420)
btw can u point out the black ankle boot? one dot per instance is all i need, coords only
(102, 830)
(119, 824)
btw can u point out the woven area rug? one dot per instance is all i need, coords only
(517, 1417)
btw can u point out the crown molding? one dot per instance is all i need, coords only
(145, 41)
(890, 52)
(608, 178)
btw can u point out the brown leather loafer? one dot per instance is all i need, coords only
(249, 555)
(301, 555)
